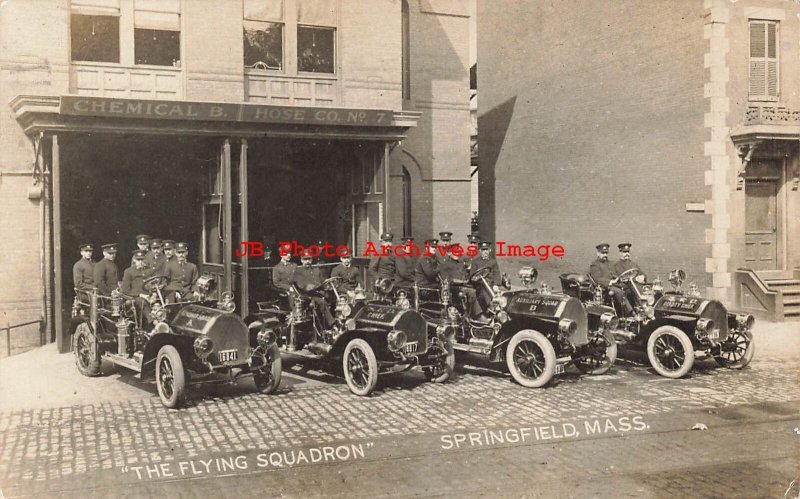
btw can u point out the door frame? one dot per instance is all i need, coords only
(781, 219)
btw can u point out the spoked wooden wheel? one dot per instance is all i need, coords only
(737, 350)
(670, 352)
(531, 359)
(602, 355)
(443, 369)
(360, 367)
(268, 378)
(84, 347)
(170, 377)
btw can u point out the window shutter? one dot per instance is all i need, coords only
(764, 64)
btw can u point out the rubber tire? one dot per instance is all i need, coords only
(372, 366)
(611, 357)
(449, 367)
(529, 335)
(686, 343)
(268, 379)
(744, 360)
(169, 353)
(84, 333)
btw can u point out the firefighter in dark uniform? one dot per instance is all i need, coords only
(182, 275)
(155, 259)
(474, 240)
(405, 266)
(308, 278)
(142, 243)
(351, 276)
(83, 272)
(445, 239)
(283, 272)
(168, 245)
(426, 272)
(453, 270)
(603, 273)
(383, 267)
(483, 260)
(106, 273)
(625, 263)
(133, 284)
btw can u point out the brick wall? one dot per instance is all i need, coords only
(591, 129)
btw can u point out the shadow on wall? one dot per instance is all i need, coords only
(492, 128)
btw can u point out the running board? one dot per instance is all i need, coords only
(126, 362)
(472, 349)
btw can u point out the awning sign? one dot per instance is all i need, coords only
(104, 107)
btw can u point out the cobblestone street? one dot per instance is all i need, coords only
(627, 431)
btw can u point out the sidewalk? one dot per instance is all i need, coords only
(42, 378)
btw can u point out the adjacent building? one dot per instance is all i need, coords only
(220, 121)
(672, 125)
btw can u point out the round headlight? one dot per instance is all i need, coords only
(345, 310)
(266, 338)
(162, 327)
(228, 306)
(452, 314)
(745, 321)
(502, 317)
(500, 301)
(567, 327)
(609, 321)
(203, 346)
(704, 325)
(396, 340)
(159, 313)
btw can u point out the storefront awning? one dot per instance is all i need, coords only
(73, 113)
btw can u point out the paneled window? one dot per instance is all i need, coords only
(157, 32)
(98, 35)
(292, 36)
(263, 34)
(764, 60)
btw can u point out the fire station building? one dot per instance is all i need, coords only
(215, 122)
(671, 125)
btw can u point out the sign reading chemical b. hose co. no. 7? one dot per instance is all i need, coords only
(105, 107)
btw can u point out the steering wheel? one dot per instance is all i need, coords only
(482, 272)
(155, 282)
(628, 275)
(330, 281)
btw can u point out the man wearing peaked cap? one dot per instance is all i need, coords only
(426, 272)
(474, 239)
(134, 276)
(603, 273)
(445, 239)
(142, 243)
(155, 259)
(181, 273)
(486, 259)
(351, 276)
(106, 272)
(83, 270)
(405, 265)
(383, 267)
(625, 263)
(168, 245)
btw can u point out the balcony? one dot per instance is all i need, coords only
(281, 90)
(767, 122)
(769, 115)
(133, 82)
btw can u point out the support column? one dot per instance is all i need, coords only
(245, 234)
(62, 335)
(227, 208)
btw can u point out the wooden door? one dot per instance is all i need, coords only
(761, 223)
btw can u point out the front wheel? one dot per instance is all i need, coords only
(84, 347)
(670, 352)
(170, 377)
(444, 366)
(531, 359)
(360, 367)
(602, 353)
(268, 378)
(737, 350)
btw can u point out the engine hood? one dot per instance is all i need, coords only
(551, 307)
(388, 317)
(695, 306)
(226, 331)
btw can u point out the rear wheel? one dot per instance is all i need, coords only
(670, 352)
(531, 359)
(445, 363)
(737, 350)
(602, 353)
(268, 378)
(84, 347)
(360, 367)
(170, 377)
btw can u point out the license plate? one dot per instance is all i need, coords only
(559, 368)
(228, 355)
(410, 347)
